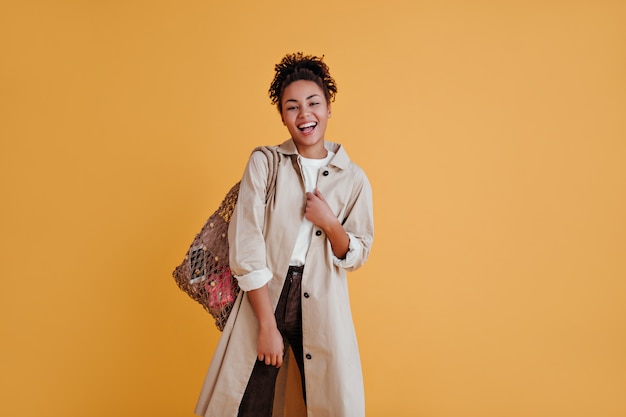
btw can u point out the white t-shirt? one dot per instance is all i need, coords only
(310, 172)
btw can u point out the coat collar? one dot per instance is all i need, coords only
(340, 160)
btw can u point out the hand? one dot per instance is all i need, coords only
(317, 210)
(319, 213)
(270, 346)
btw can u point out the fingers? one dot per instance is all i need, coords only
(273, 360)
(316, 193)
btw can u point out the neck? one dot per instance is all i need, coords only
(313, 152)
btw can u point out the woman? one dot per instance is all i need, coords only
(290, 258)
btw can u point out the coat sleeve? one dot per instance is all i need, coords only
(359, 224)
(247, 254)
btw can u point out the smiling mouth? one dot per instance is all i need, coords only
(307, 127)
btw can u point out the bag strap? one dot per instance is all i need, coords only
(273, 160)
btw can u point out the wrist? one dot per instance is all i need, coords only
(268, 323)
(332, 226)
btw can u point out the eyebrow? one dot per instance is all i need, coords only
(308, 98)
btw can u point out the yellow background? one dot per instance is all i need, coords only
(494, 137)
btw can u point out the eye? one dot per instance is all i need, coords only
(292, 108)
(315, 103)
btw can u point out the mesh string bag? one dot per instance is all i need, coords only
(204, 273)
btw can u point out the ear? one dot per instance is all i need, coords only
(330, 111)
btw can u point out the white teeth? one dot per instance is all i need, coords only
(304, 126)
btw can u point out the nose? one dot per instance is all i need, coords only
(303, 113)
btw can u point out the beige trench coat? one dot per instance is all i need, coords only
(264, 237)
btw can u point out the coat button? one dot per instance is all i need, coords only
(318, 233)
(308, 356)
(325, 173)
(306, 295)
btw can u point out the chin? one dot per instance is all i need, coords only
(308, 141)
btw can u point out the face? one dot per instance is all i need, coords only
(305, 113)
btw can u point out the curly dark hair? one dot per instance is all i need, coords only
(297, 66)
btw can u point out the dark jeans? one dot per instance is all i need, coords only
(258, 398)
